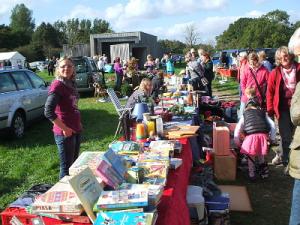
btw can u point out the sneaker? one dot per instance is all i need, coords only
(276, 160)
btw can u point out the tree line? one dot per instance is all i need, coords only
(35, 43)
(47, 39)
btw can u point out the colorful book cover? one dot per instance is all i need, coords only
(116, 161)
(154, 157)
(122, 199)
(154, 169)
(121, 218)
(87, 190)
(108, 175)
(90, 159)
(125, 147)
(60, 199)
(175, 163)
(154, 191)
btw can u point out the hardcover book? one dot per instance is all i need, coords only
(125, 147)
(129, 218)
(60, 199)
(122, 199)
(87, 190)
(86, 159)
(154, 191)
(108, 174)
(116, 162)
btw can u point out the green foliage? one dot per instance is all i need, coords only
(46, 38)
(21, 22)
(126, 89)
(172, 46)
(75, 31)
(270, 30)
(31, 52)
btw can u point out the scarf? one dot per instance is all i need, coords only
(289, 77)
(71, 84)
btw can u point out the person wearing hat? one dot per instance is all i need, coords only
(258, 129)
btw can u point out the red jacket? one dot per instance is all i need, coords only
(273, 88)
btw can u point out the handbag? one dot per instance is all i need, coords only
(263, 97)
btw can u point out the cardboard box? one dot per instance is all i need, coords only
(221, 140)
(225, 167)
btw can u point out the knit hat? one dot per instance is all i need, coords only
(253, 102)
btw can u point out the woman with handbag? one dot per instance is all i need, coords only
(281, 87)
(208, 70)
(255, 76)
(195, 70)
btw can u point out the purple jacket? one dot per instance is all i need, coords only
(118, 68)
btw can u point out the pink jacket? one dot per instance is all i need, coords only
(247, 80)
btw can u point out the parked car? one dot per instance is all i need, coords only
(22, 99)
(38, 65)
(86, 73)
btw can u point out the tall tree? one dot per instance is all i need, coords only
(21, 22)
(46, 37)
(191, 35)
(270, 30)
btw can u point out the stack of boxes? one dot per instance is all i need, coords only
(225, 162)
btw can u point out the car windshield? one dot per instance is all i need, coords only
(80, 65)
(93, 64)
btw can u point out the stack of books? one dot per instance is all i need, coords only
(60, 199)
(111, 169)
(155, 172)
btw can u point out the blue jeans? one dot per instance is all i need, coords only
(68, 150)
(295, 211)
(118, 81)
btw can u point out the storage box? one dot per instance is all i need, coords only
(225, 167)
(221, 139)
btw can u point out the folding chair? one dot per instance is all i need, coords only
(121, 110)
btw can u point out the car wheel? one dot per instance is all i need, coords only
(18, 125)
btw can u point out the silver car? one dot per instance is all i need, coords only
(22, 99)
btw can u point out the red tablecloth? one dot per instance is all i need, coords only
(173, 209)
(228, 72)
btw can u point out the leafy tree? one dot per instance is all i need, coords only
(270, 30)
(46, 37)
(78, 31)
(22, 23)
(173, 46)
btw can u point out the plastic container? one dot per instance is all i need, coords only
(25, 218)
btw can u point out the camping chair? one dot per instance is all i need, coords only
(121, 110)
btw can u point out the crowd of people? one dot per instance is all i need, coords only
(267, 94)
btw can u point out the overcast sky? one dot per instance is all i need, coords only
(164, 18)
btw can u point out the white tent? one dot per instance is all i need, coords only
(17, 60)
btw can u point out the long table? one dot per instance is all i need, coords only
(173, 208)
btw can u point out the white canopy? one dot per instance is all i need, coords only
(15, 58)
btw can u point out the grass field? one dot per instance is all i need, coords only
(34, 160)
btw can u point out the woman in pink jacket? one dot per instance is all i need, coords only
(255, 71)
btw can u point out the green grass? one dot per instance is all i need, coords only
(34, 160)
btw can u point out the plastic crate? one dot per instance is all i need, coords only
(26, 218)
